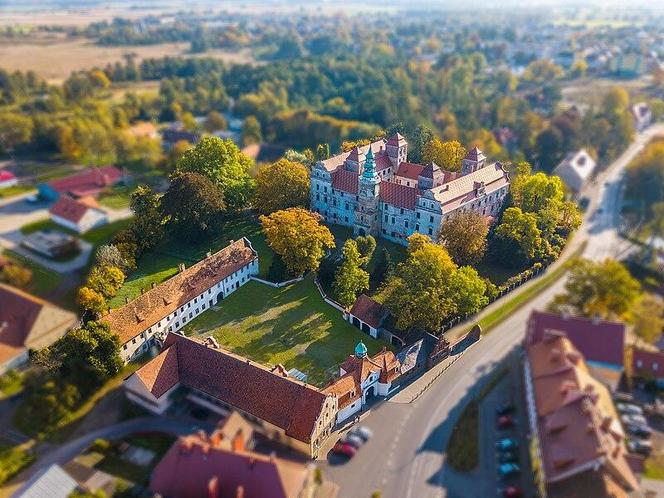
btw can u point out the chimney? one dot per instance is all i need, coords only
(180, 267)
(154, 284)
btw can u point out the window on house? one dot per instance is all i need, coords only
(406, 223)
(417, 227)
(430, 231)
(418, 216)
(393, 220)
(430, 219)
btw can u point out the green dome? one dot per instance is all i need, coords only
(360, 350)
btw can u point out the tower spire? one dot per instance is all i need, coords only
(369, 165)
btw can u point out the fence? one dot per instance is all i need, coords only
(329, 301)
(276, 285)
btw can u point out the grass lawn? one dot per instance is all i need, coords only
(463, 448)
(6, 193)
(150, 269)
(44, 281)
(654, 467)
(116, 198)
(11, 383)
(12, 461)
(103, 234)
(292, 326)
(44, 225)
(397, 252)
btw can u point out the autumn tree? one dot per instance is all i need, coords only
(15, 130)
(647, 317)
(298, 237)
(464, 235)
(106, 280)
(215, 121)
(366, 244)
(521, 228)
(91, 300)
(192, 204)
(224, 164)
(16, 275)
(251, 131)
(447, 155)
(281, 185)
(350, 279)
(148, 222)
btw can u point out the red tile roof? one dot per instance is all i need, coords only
(201, 466)
(383, 162)
(6, 176)
(345, 180)
(475, 154)
(396, 139)
(368, 310)
(70, 209)
(597, 340)
(149, 308)
(89, 182)
(398, 195)
(291, 405)
(409, 170)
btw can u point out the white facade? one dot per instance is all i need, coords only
(188, 311)
(92, 218)
(8, 183)
(576, 169)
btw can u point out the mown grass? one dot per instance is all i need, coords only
(44, 281)
(12, 461)
(463, 448)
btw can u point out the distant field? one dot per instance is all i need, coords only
(56, 57)
(590, 91)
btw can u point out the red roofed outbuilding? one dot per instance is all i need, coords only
(79, 215)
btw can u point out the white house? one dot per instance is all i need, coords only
(576, 169)
(361, 378)
(79, 215)
(7, 179)
(169, 306)
(642, 115)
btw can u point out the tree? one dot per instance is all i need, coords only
(16, 275)
(189, 122)
(647, 316)
(106, 280)
(148, 223)
(604, 289)
(174, 154)
(549, 148)
(281, 185)
(109, 255)
(532, 193)
(15, 130)
(251, 131)
(464, 235)
(383, 269)
(192, 204)
(297, 236)
(91, 300)
(469, 291)
(215, 121)
(350, 279)
(521, 228)
(366, 245)
(448, 155)
(222, 162)
(422, 136)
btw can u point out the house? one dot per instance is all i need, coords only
(89, 182)
(169, 306)
(575, 170)
(51, 243)
(79, 215)
(291, 412)
(219, 466)
(28, 322)
(7, 179)
(375, 190)
(143, 129)
(648, 365)
(362, 377)
(367, 315)
(642, 115)
(52, 481)
(576, 439)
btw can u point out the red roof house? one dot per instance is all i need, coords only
(91, 181)
(7, 179)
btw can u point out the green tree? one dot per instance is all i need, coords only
(447, 155)
(464, 235)
(521, 228)
(367, 246)
(215, 121)
(15, 130)
(148, 223)
(383, 268)
(222, 162)
(647, 316)
(251, 131)
(297, 236)
(532, 193)
(468, 290)
(192, 204)
(281, 185)
(350, 279)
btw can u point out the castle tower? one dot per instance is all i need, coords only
(397, 149)
(474, 160)
(366, 212)
(430, 177)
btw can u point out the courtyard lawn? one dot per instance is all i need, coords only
(44, 281)
(44, 225)
(292, 326)
(150, 270)
(116, 198)
(104, 234)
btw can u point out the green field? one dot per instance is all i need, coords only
(117, 198)
(292, 326)
(44, 281)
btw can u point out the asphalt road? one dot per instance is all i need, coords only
(405, 458)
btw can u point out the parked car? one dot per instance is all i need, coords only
(505, 408)
(638, 430)
(629, 409)
(507, 444)
(505, 422)
(507, 457)
(512, 492)
(624, 397)
(634, 419)
(362, 432)
(353, 440)
(506, 470)
(639, 446)
(344, 449)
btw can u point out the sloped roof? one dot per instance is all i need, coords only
(89, 182)
(6, 175)
(368, 310)
(245, 385)
(345, 180)
(462, 189)
(475, 154)
(398, 195)
(157, 303)
(396, 139)
(578, 164)
(71, 209)
(409, 170)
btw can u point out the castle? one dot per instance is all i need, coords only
(375, 190)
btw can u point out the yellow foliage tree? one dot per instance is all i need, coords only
(281, 185)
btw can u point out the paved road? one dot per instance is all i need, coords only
(405, 458)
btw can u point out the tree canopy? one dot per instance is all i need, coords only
(281, 185)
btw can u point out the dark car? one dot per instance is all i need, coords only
(641, 447)
(344, 449)
(512, 492)
(505, 422)
(507, 457)
(638, 430)
(505, 409)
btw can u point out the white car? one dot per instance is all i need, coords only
(629, 409)
(634, 419)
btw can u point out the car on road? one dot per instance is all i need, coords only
(634, 419)
(639, 430)
(505, 408)
(506, 470)
(354, 441)
(639, 446)
(508, 457)
(362, 432)
(505, 422)
(344, 449)
(629, 409)
(512, 492)
(507, 444)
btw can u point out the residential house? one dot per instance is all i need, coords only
(648, 365)
(289, 411)
(52, 481)
(28, 322)
(89, 182)
(7, 179)
(575, 170)
(219, 466)
(362, 377)
(169, 306)
(642, 115)
(375, 190)
(79, 215)
(601, 342)
(576, 440)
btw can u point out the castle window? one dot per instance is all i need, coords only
(430, 219)
(417, 227)
(418, 215)
(346, 207)
(318, 197)
(406, 223)
(324, 189)
(346, 219)
(401, 211)
(393, 220)
(430, 231)
(317, 187)
(385, 218)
